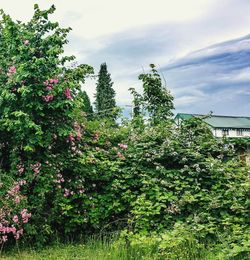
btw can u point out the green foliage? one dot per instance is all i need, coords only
(156, 100)
(86, 104)
(105, 95)
(38, 111)
(155, 182)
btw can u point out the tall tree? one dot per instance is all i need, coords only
(105, 95)
(156, 100)
(86, 104)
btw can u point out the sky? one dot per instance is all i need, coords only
(200, 47)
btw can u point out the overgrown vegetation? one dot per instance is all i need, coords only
(169, 192)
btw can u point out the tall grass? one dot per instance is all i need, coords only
(95, 248)
(113, 248)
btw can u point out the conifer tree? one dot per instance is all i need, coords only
(86, 104)
(105, 95)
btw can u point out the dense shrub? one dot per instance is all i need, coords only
(39, 102)
(62, 175)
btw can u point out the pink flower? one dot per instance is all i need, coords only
(123, 146)
(20, 231)
(26, 42)
(48, 98)
(49, 87)
(66, 192)
(25, 215)
(17, 200)
(22, 182)
(15, 219)
(46, 82)
(78, 136)
(67, 93)
(20, 169)
(71, 138)
(4, 238)
(12, 70)
(15, 189)
(121, 156)
(36, 168)
(18, 234)
(50, 82)
(53, 81)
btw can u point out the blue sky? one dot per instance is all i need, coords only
(202, 47)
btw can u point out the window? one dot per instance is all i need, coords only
(225, 132)
(239, 132)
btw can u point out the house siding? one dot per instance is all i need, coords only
(218, 132)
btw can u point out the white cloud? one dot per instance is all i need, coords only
(133, 33)
(92, 18)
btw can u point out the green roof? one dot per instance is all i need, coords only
(217, 121)
(184, 116)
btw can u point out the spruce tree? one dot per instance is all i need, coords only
(105, 95)
(86, 104)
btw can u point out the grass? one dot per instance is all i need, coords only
(93, 249)
(97, 248)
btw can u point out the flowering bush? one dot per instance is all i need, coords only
(40, 119)
(13, 214)
(61, 174)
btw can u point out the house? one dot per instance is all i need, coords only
(229, 126)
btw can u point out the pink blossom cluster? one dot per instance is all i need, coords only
(15, 219)
(20, 168)
(18, 234)
(22, 182)
(14, 190)
(17, 200)
(48, 98)
(77, 128)
(71, 138)
(25, 215)
(26, 42)
(67, 192)
(67, 93)
(36, 168)
(12, 70)
(123, 146)
(49, 83)
(60, 178)
(75, 136)
(121, 156)
(5, 230)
